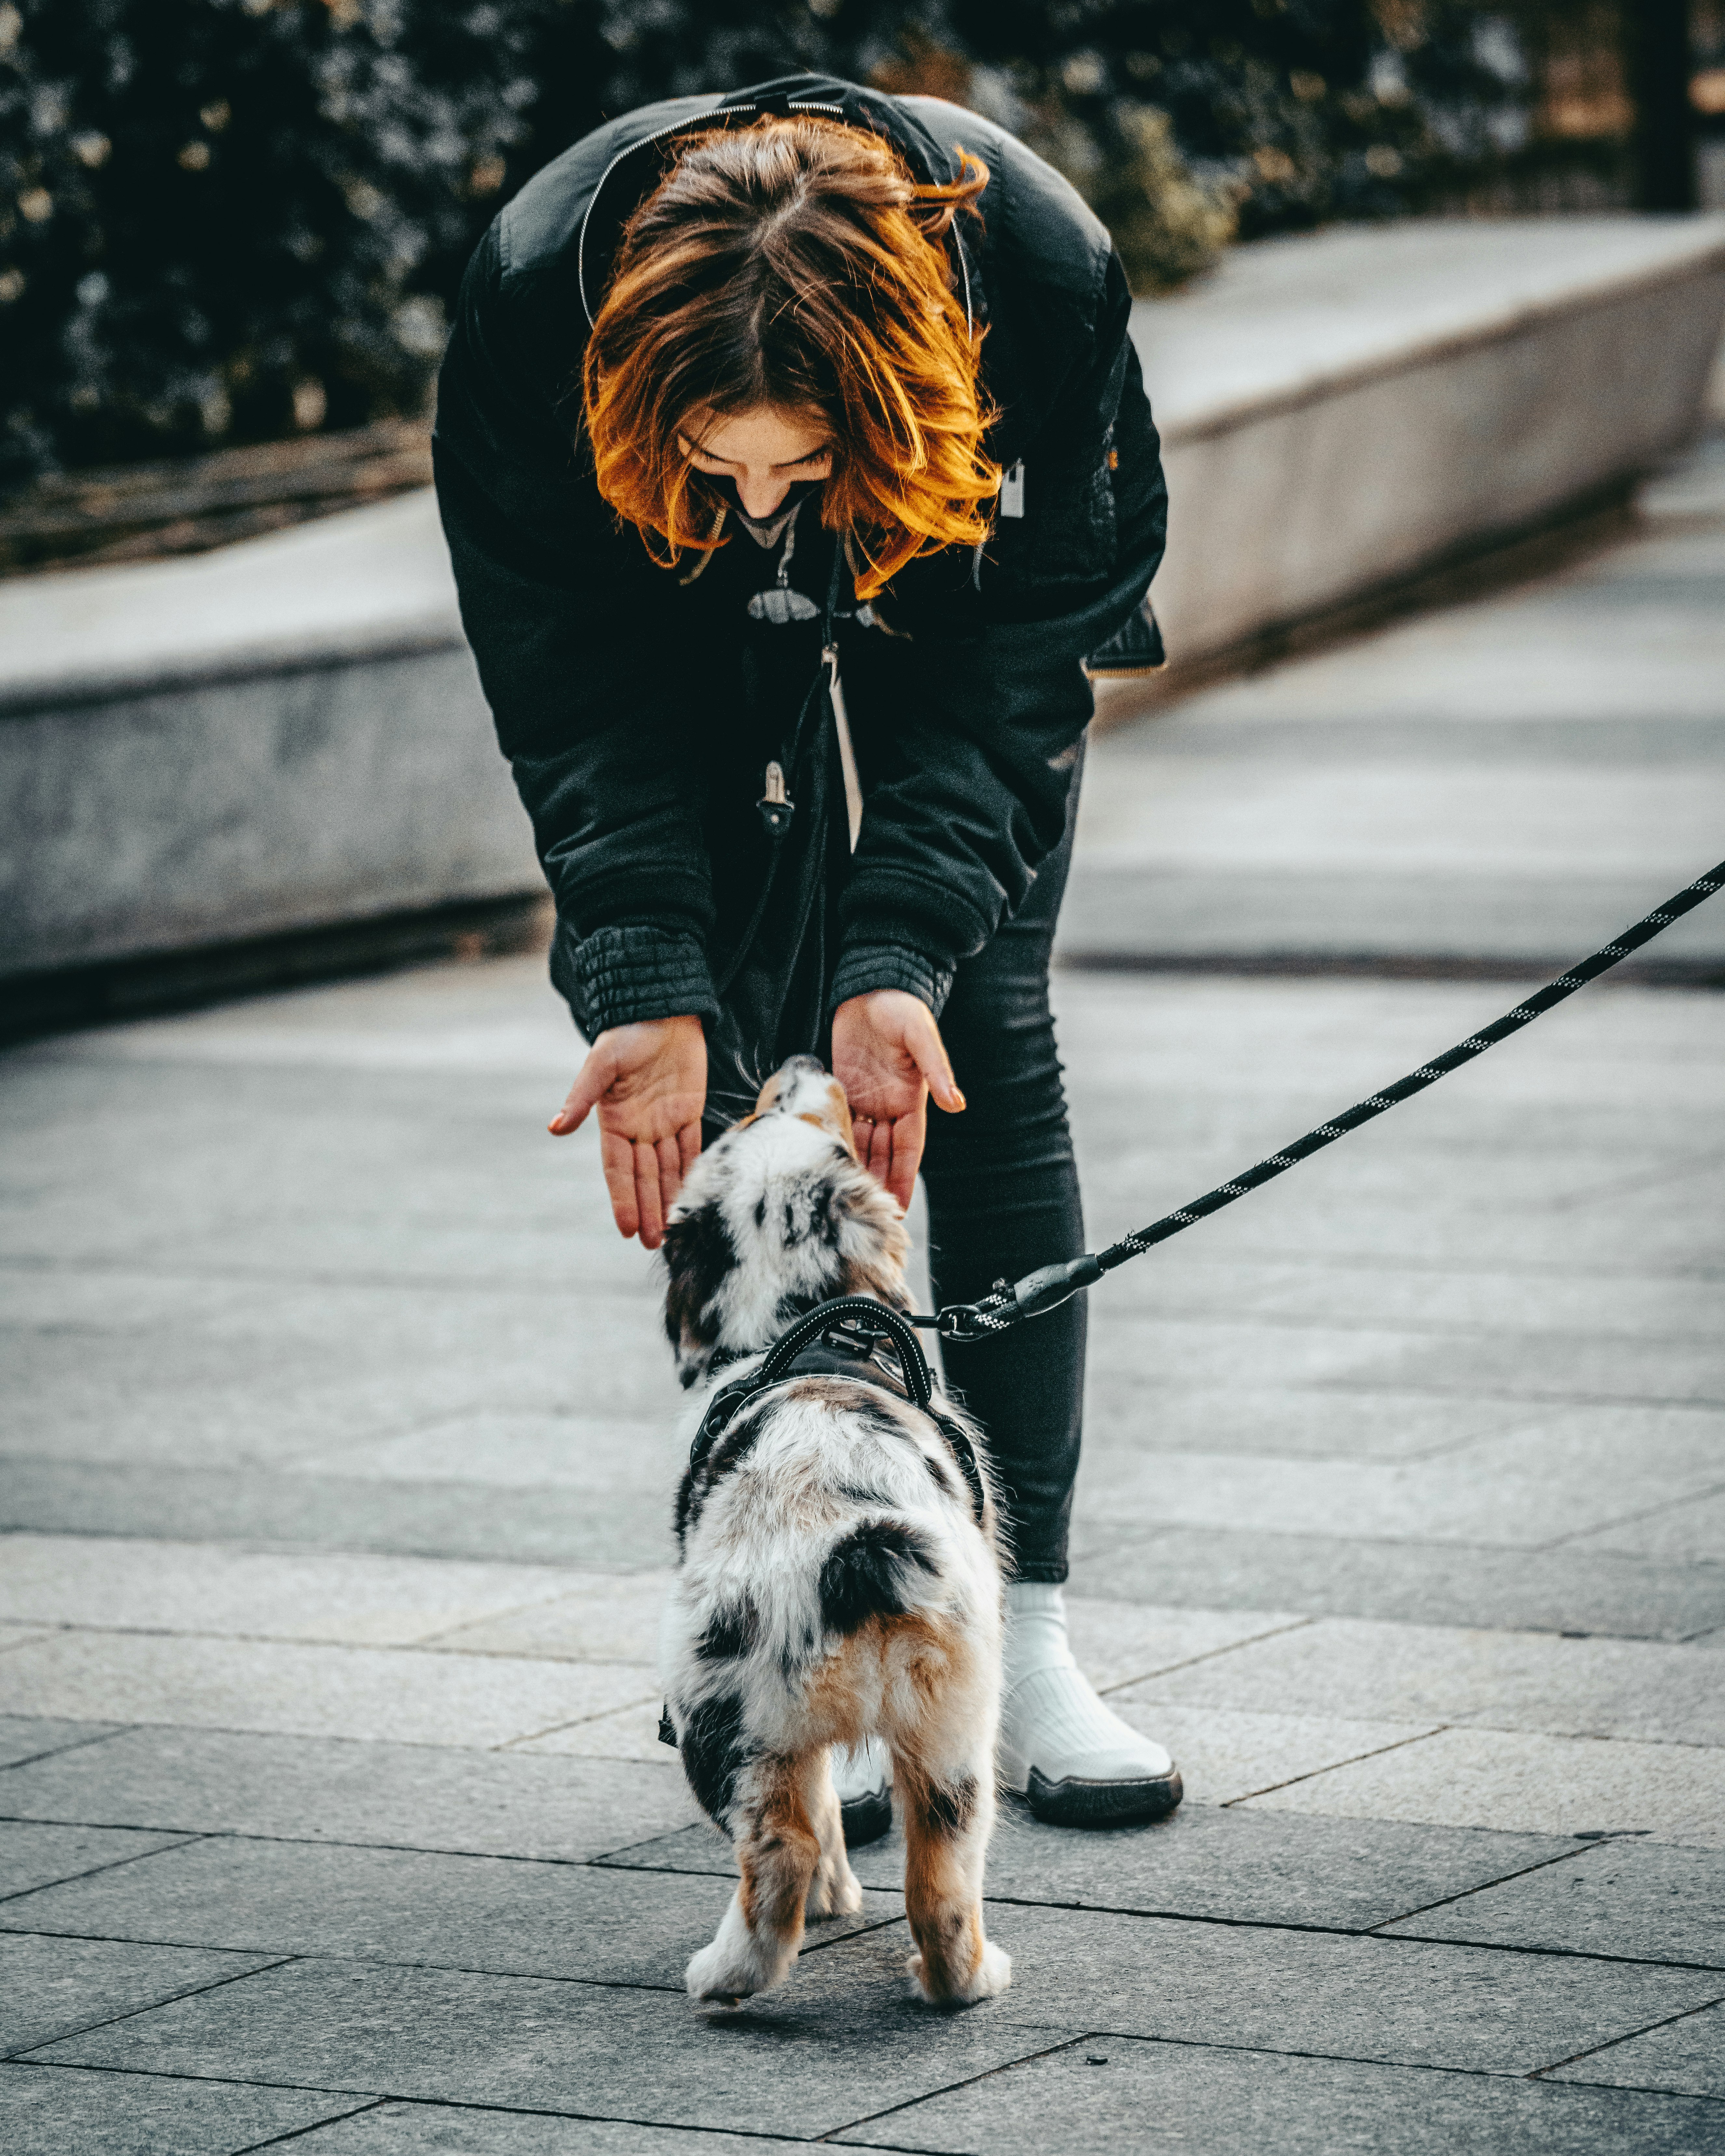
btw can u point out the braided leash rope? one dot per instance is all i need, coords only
(1010, 1303)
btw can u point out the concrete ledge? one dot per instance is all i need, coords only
(1343, 412)
(288, 733)
(252, 804)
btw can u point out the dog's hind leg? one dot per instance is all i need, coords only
(778, 1852)
(834, 1891)
(949, 1800)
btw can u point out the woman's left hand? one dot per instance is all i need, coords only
(888, 1055)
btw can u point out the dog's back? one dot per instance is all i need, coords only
(839, 1577)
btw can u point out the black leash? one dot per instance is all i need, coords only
(1010, 1302)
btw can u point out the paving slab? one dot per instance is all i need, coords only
(1688, 1533)
(64, 2111)
(1226, 1754)
(1129, 1415)
(49, 1986)
(1399, 2001)
(1687, 2056)
(256, 1506)
(1118, 1642)
(110, 1581)
(603, 1456)
(32, 1736)
(1436, 1296)
(1501, 1679)
(1635, 1900)
(362, 1693)
(606, 1617)
(1097, 2097)
(1527, 1785)
(1331, 1874)
(630, 1733)
(1558, 1590)
(1557, 1479)
(1208, 1862)
(436, 2129)
(514, 1916)
(789, 2065)
(413, 1796)
(33, 1854)
(388, 1361)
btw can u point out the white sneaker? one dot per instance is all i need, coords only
(862, 1776)
(1075, 1761)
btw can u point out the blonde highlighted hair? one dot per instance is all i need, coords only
(796, 264)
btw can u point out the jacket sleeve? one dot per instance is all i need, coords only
(591, 709)
(991, 697)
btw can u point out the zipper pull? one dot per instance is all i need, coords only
(775, 804)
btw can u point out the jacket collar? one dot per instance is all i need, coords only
(639, 167)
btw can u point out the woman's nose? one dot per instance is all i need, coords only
(760, 497)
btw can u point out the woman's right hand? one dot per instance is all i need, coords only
(649, 1083)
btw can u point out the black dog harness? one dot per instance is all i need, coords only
(844, 1338)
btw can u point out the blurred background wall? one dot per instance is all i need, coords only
(226, 223)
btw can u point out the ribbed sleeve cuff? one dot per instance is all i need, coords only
(863, 968)
(621, 976)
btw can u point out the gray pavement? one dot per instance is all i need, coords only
(338, 1458)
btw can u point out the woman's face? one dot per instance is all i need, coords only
(763, 451)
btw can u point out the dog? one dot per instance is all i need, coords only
(839, 1573)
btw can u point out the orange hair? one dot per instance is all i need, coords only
(794, 262)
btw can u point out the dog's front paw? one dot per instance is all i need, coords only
(991, 1976)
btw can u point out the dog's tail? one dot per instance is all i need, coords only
(884, 1568)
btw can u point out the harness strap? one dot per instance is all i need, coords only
(868, 1325)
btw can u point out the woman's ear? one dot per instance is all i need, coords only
(699, 1257)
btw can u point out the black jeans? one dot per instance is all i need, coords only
(1002, 1199)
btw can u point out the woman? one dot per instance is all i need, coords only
(747, 396)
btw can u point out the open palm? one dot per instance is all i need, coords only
(888, 1055)
(648, 1084)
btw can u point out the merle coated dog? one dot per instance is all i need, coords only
(839, 1577)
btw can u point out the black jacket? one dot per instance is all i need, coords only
(637, 710)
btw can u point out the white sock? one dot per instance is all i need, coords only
(1050, 1718)
(860, 1769)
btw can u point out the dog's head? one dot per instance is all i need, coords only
(773, 1218)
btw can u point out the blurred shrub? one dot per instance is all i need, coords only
(225, 220)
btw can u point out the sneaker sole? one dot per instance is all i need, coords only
(865, 1819)
(1074, 1803)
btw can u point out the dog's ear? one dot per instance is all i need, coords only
(873, 1244)
(700, 1257)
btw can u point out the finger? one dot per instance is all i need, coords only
(688, 1144)
(616, 1156)
(879, 1163)
(922, 1039)
(649, 1200)
(907, 1137)
(592, 1081)
(670, 1171)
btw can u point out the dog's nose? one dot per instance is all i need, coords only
(802, 1066)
